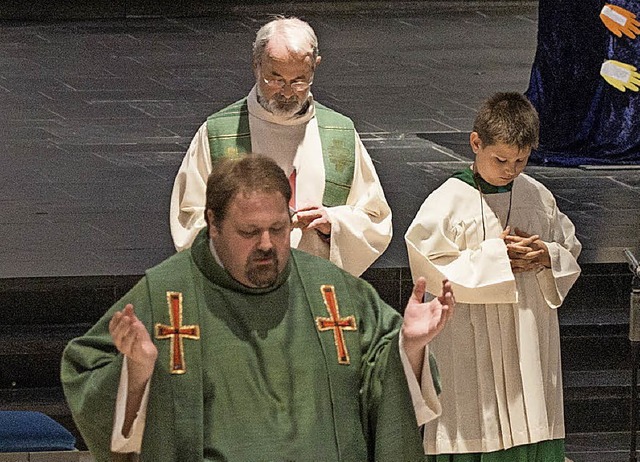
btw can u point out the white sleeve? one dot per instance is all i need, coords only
(188, 197)
(361, 229)
(426, 403)
(132, 442)
(556, 281)
(478, 275)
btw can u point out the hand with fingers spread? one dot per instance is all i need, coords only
(132, 339)
(620, 21)
(526, 251)
(424, 320)
(620, 75)
(316, 218)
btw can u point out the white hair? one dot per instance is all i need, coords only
(298, 35)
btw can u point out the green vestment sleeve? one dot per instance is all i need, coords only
(90, 374)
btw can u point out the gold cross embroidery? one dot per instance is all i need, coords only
(176, 332)
(335, 323)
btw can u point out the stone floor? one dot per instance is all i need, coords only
(97, 116)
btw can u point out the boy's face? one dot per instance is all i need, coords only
(498, 164)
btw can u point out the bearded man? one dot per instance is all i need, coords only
(340, 211)
(243, 349)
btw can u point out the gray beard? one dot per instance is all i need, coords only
(286, 110)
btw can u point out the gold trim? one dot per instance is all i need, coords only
(176, 330)
(335, 323)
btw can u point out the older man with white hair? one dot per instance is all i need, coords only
(340, 212)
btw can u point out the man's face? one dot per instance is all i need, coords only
(498, 164)
(252, 241)
(278, 66)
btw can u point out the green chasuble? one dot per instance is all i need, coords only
(306, 370)
(228, 132)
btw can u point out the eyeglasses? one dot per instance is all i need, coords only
(279, 84)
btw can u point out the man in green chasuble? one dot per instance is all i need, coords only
(243, 349)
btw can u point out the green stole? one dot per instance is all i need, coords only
(477, 182)
(229, 136)
(393, 422)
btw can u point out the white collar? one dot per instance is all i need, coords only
(214, 253)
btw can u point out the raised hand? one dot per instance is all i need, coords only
(620, 21)
(620, 75)
(132, 339)
(424, 320)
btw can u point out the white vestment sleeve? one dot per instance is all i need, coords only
(186, 216)
(477, 275)
(360, 230)
(556, 281)
(423, 395)
(133, 442)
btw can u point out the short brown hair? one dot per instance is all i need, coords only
(508, 118)
(250, 173)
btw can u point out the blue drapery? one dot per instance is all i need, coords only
(583, 119)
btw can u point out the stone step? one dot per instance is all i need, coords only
(30, 354)
(600, 289)
(595, 347)
(598, 446)
(61, 300)
(597, 401)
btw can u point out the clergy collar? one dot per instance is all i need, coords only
(256, 110)
(214, 254)
(476, 181)
(208, 262)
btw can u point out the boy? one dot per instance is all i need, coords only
(510, 255)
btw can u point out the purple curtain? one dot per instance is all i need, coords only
(583, 119)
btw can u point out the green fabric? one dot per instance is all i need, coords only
(228, 132)
(435, 373)
(184, 390)
(262, 383)
(337, 137)
(476, 181)
(544, 451)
